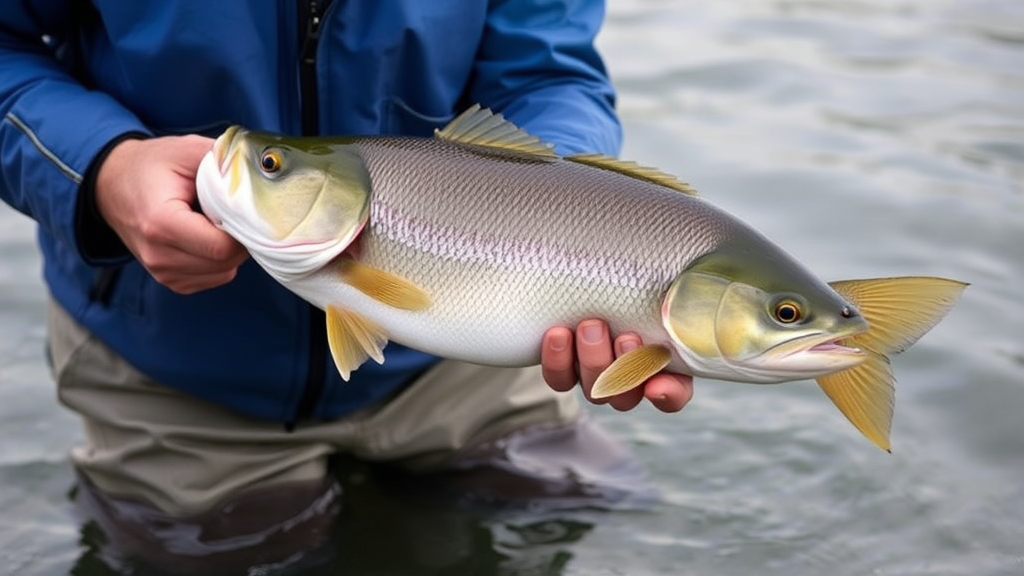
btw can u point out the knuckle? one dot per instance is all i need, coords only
(629, 339)
(594, 362)
(222, 279)
(559, 379)
(151, 231)
(171, 281)
(183, 289)
(227, 252)
(152, 261)
(218, 251)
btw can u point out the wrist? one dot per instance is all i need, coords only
(111, 164)
(98, 243)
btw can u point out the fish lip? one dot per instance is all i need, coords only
(819, 343)
(834, 347)
(224, 148)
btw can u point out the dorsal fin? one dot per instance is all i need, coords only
(480, 127)
(634, 170)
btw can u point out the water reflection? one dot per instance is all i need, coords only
(380, 523)
(389, 525)
(517, 505)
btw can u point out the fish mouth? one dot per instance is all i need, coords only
(818, 343)
(219, 175)
(808, 355)
(835, 347)
(228, 153)
(225, 148)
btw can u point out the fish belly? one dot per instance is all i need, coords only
(482, 312)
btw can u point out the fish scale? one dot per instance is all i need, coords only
(506, 210)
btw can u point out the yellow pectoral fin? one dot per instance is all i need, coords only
(865, 395)
(384, 287)
(353, 339)
(631, 370)
(899, 310)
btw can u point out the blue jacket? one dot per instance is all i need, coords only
(76, 76)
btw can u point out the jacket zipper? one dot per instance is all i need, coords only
(310, 20)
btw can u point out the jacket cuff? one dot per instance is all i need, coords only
(97, 241)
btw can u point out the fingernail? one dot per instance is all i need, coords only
(628, 345)
(558, 342)
(592, 333)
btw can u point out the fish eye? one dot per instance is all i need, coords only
(787, 312)
(271, 161)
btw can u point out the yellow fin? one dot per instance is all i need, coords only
(631, 370)
(865, 395)
(480, 127)
(634, 170)
(353, 339)
(383, 287)
(898, 310)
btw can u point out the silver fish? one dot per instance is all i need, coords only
(471, 244)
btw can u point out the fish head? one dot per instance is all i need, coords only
(294, 203)
(754, 314)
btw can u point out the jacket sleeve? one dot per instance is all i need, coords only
(51, 126)
(537, 64)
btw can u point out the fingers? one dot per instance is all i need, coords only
(631, 398)
(568, 357)
(196, 236)
(185, 252)
(184, 274)
(594, 352)
(190, 284)
(145, 190)
(669, 392)
(558, 359)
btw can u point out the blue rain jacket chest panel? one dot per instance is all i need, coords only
(191, 66)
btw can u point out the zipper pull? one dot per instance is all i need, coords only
(312, 38)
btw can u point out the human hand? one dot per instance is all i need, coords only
(594, 352)
(145, 190)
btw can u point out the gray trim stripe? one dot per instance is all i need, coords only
(67, 170)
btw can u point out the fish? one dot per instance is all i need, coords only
(470, 244)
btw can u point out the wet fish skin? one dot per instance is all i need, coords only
(472, 244)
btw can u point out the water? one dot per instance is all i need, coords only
(870, 138)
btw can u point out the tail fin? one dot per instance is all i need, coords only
(898, 311)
